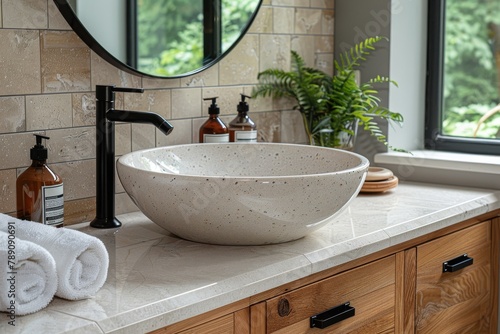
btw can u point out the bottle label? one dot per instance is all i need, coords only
(218, 138)
(245, 136)
(53, 204)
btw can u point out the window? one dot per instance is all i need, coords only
(463, 76)
(179, 36)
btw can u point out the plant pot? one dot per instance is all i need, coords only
(347, 138)
(342, 140)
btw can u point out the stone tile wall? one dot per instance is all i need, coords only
(48, 77)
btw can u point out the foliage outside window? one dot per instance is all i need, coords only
(463, 84)
(182, 31)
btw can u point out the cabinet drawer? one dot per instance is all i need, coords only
(455, 301)
(224, 325)
(369, 289)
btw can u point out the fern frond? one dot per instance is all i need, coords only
(350, 59)
(386, 114)
(381, 79)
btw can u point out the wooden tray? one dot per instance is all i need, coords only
(379, 186)
(378, 174)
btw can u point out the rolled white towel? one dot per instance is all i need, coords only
(28, 278)
(81, 260)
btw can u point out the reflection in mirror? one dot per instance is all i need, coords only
(163, 38)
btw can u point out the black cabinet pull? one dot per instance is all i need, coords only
(332, 316)
(457, 263)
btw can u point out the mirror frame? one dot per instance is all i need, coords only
(78, 27)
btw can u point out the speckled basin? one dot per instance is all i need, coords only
(242, 194)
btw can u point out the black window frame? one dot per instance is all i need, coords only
(434, 138)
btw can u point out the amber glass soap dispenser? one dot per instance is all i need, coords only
(39, 190)
(242, 128)
(214, 130)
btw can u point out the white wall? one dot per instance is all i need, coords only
(107, 25)
(408, 49)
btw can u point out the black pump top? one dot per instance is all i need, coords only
(243, 105)
(213, 109)
(39, 152)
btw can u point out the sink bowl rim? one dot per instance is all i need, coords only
(363, 163)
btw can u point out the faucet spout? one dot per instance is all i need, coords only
(106, 115)
(140, 117)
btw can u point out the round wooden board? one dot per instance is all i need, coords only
(379, 186)
(378, 174)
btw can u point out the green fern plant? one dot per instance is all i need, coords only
(331, 105)
(303, 84)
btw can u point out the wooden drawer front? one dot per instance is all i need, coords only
(370, 289)
(224, 325)
(237, 322)
(459, 301)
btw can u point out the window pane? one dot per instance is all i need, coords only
(171, 35)
(471, 68)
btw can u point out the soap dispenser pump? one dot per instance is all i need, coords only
(39, 191)
(242, 128)
(214, 130)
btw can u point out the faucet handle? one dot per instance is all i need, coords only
(107, 93)
(128, 90)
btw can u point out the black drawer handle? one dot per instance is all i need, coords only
(457, 263)
(332, 316)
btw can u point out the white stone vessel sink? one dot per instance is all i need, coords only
(242, 194)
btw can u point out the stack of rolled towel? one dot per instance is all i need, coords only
(39, 261)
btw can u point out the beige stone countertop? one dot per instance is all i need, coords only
(156, 279)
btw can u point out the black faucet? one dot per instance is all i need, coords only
(106, 115)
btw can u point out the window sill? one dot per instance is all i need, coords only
(459, 169)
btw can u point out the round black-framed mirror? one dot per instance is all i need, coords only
(207, 30)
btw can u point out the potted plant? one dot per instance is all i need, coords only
(331, 106)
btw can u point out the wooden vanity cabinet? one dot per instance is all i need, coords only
(444, 282)
(445, 285)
